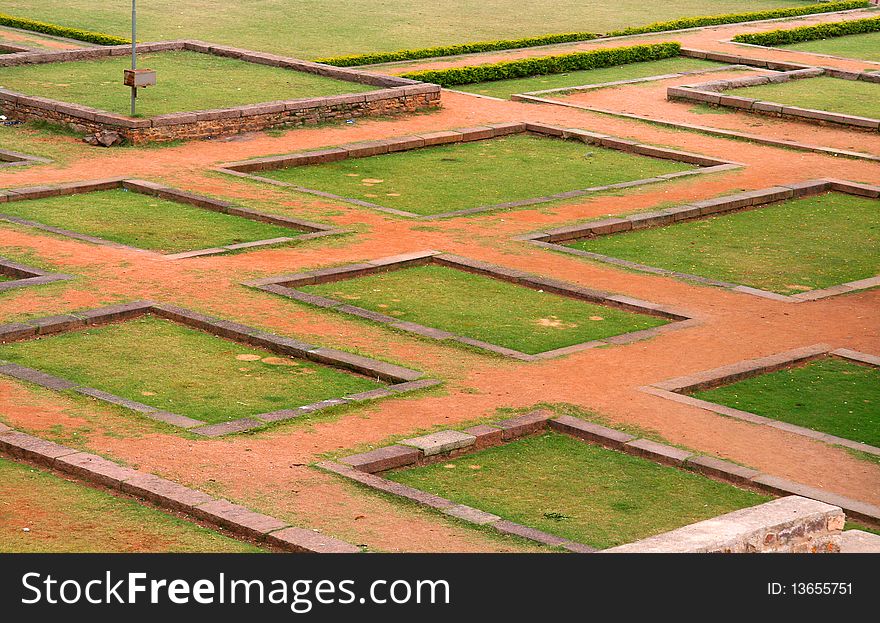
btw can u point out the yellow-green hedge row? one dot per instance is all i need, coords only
(509, 44)
(735, 18)
(811, 33)
(537, 66)
(452, 50)
(61, 31)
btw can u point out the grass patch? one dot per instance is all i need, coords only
(788, 247)
(144, 221)
(850, 97)
(319, 28)
(506, 88)
(66, 517)
(865, 46)
(487, 309)
(221, 82)
(578, 491)
(185, 371)
(828, 395)
(445, 178)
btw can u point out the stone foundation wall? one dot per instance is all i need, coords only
(206, 124)
(393, 95)
(793, 524)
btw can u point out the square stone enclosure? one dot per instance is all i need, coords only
(23, 276)
(251, 168)
(400, 380)
(713, 93)
(392, 95)
(677, 389)
(285, 285)
(311, 229)
(366, 469)
(554, 238)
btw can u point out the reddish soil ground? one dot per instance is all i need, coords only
(269, 471)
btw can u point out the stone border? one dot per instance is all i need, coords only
(619, 83)
(245, 168)
(677, 389)
(16, 159)
(166, 494)
(755, 138)
(552, 238)
(313, 230)
(781, 49)
(789, 525)
(400, 379)
(286, 285)
(443, 445)
(712, 93)
(24, 276)
(393, 95)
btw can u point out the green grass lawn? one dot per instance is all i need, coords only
(433, 180)
(506, 88)
(828, 395)
(788, 247)
(185, 81)
(66, 517)
(851, 97)
(144, 221)
(865, 46)
(578, 491)
(182, 370)
(483, 308)
(311, 28)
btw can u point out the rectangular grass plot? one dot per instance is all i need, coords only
(850, 97)
(829, 395)
(813, 245)
(222, 82)
(447, 178)
(864, 46)
(183, 370)
(143, 221)
(486, 309)
(577, 491)
(144, 215)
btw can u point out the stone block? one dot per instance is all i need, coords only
(588, 431)
(522, 425)
(383, 459)
(295, 539)
(658, 452)
(440, 442)
(238, 519)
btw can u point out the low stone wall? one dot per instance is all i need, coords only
(793, 525)
(713, 93)
(394, 95)
(804, 520)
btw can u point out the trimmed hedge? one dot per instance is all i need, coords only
(734, 18)
(811, 33)
(453, 50)
(61, 31)
(355, 60)
(561, 63)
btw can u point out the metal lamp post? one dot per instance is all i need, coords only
(133, 54)
(134, 77)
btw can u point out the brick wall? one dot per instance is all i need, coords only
(393, 96)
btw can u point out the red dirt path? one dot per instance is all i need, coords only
(270, 471)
